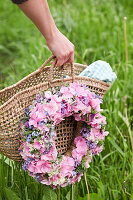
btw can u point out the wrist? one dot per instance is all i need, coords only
(53, 31)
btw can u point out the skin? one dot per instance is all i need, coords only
(38, 11)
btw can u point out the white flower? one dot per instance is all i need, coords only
(31, 147)
(59, 181)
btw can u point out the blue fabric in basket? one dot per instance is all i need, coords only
(100, 70)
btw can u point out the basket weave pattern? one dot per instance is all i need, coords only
(15, 98)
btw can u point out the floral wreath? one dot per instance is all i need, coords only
(41, 159)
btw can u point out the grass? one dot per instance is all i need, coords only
(96, 28)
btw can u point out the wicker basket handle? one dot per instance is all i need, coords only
(51, 69)
(47, 61)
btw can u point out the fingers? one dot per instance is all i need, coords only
(71, 59)
(65, 58)
(61, 60)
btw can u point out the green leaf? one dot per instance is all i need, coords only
(116, 146)
(10, 195)
(131, 197)
(68, 195)
(26, 194)
(95, 196)
(49, 194)
(92, 196)
(101, 189)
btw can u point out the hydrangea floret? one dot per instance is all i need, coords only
(38, 150)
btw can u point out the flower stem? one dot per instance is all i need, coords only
(86, 185)
(131, 140)
(72, 191)
(125, 38)
(59, 193)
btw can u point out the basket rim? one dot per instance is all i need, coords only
(34, 73)
(54, 81)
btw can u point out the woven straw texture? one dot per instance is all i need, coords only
(15, 98)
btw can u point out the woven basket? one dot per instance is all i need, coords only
(15, 98)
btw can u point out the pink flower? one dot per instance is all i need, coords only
(52, 107)
(77, 178)
(74, 85)
(42, 128)
(48, 94)
(52, 155)
(21, 125)
(56, 177)
(88, 159)
(37, 144)
(97, 150)
(32, 167)
(47, 181)
(97, 120)
(76, 155)
(79, 106)
(26, 151)
(65, 184)
(79, 139)
(67, 166)
(90, 95)
(36, 115)
(77, 117)
(57, 119)
(105, 133)
(80, 91)
(95, 134)
(66, 92)
(76, 89)
(42, 149)
(65, 108)
(32, 122)
(43, 167)
(81, 149)
(56, 98)
(95, 103)
(81, 145)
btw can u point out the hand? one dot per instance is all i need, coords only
(61, 47)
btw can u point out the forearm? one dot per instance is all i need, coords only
(38, 11)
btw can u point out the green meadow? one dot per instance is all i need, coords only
(96, 28)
